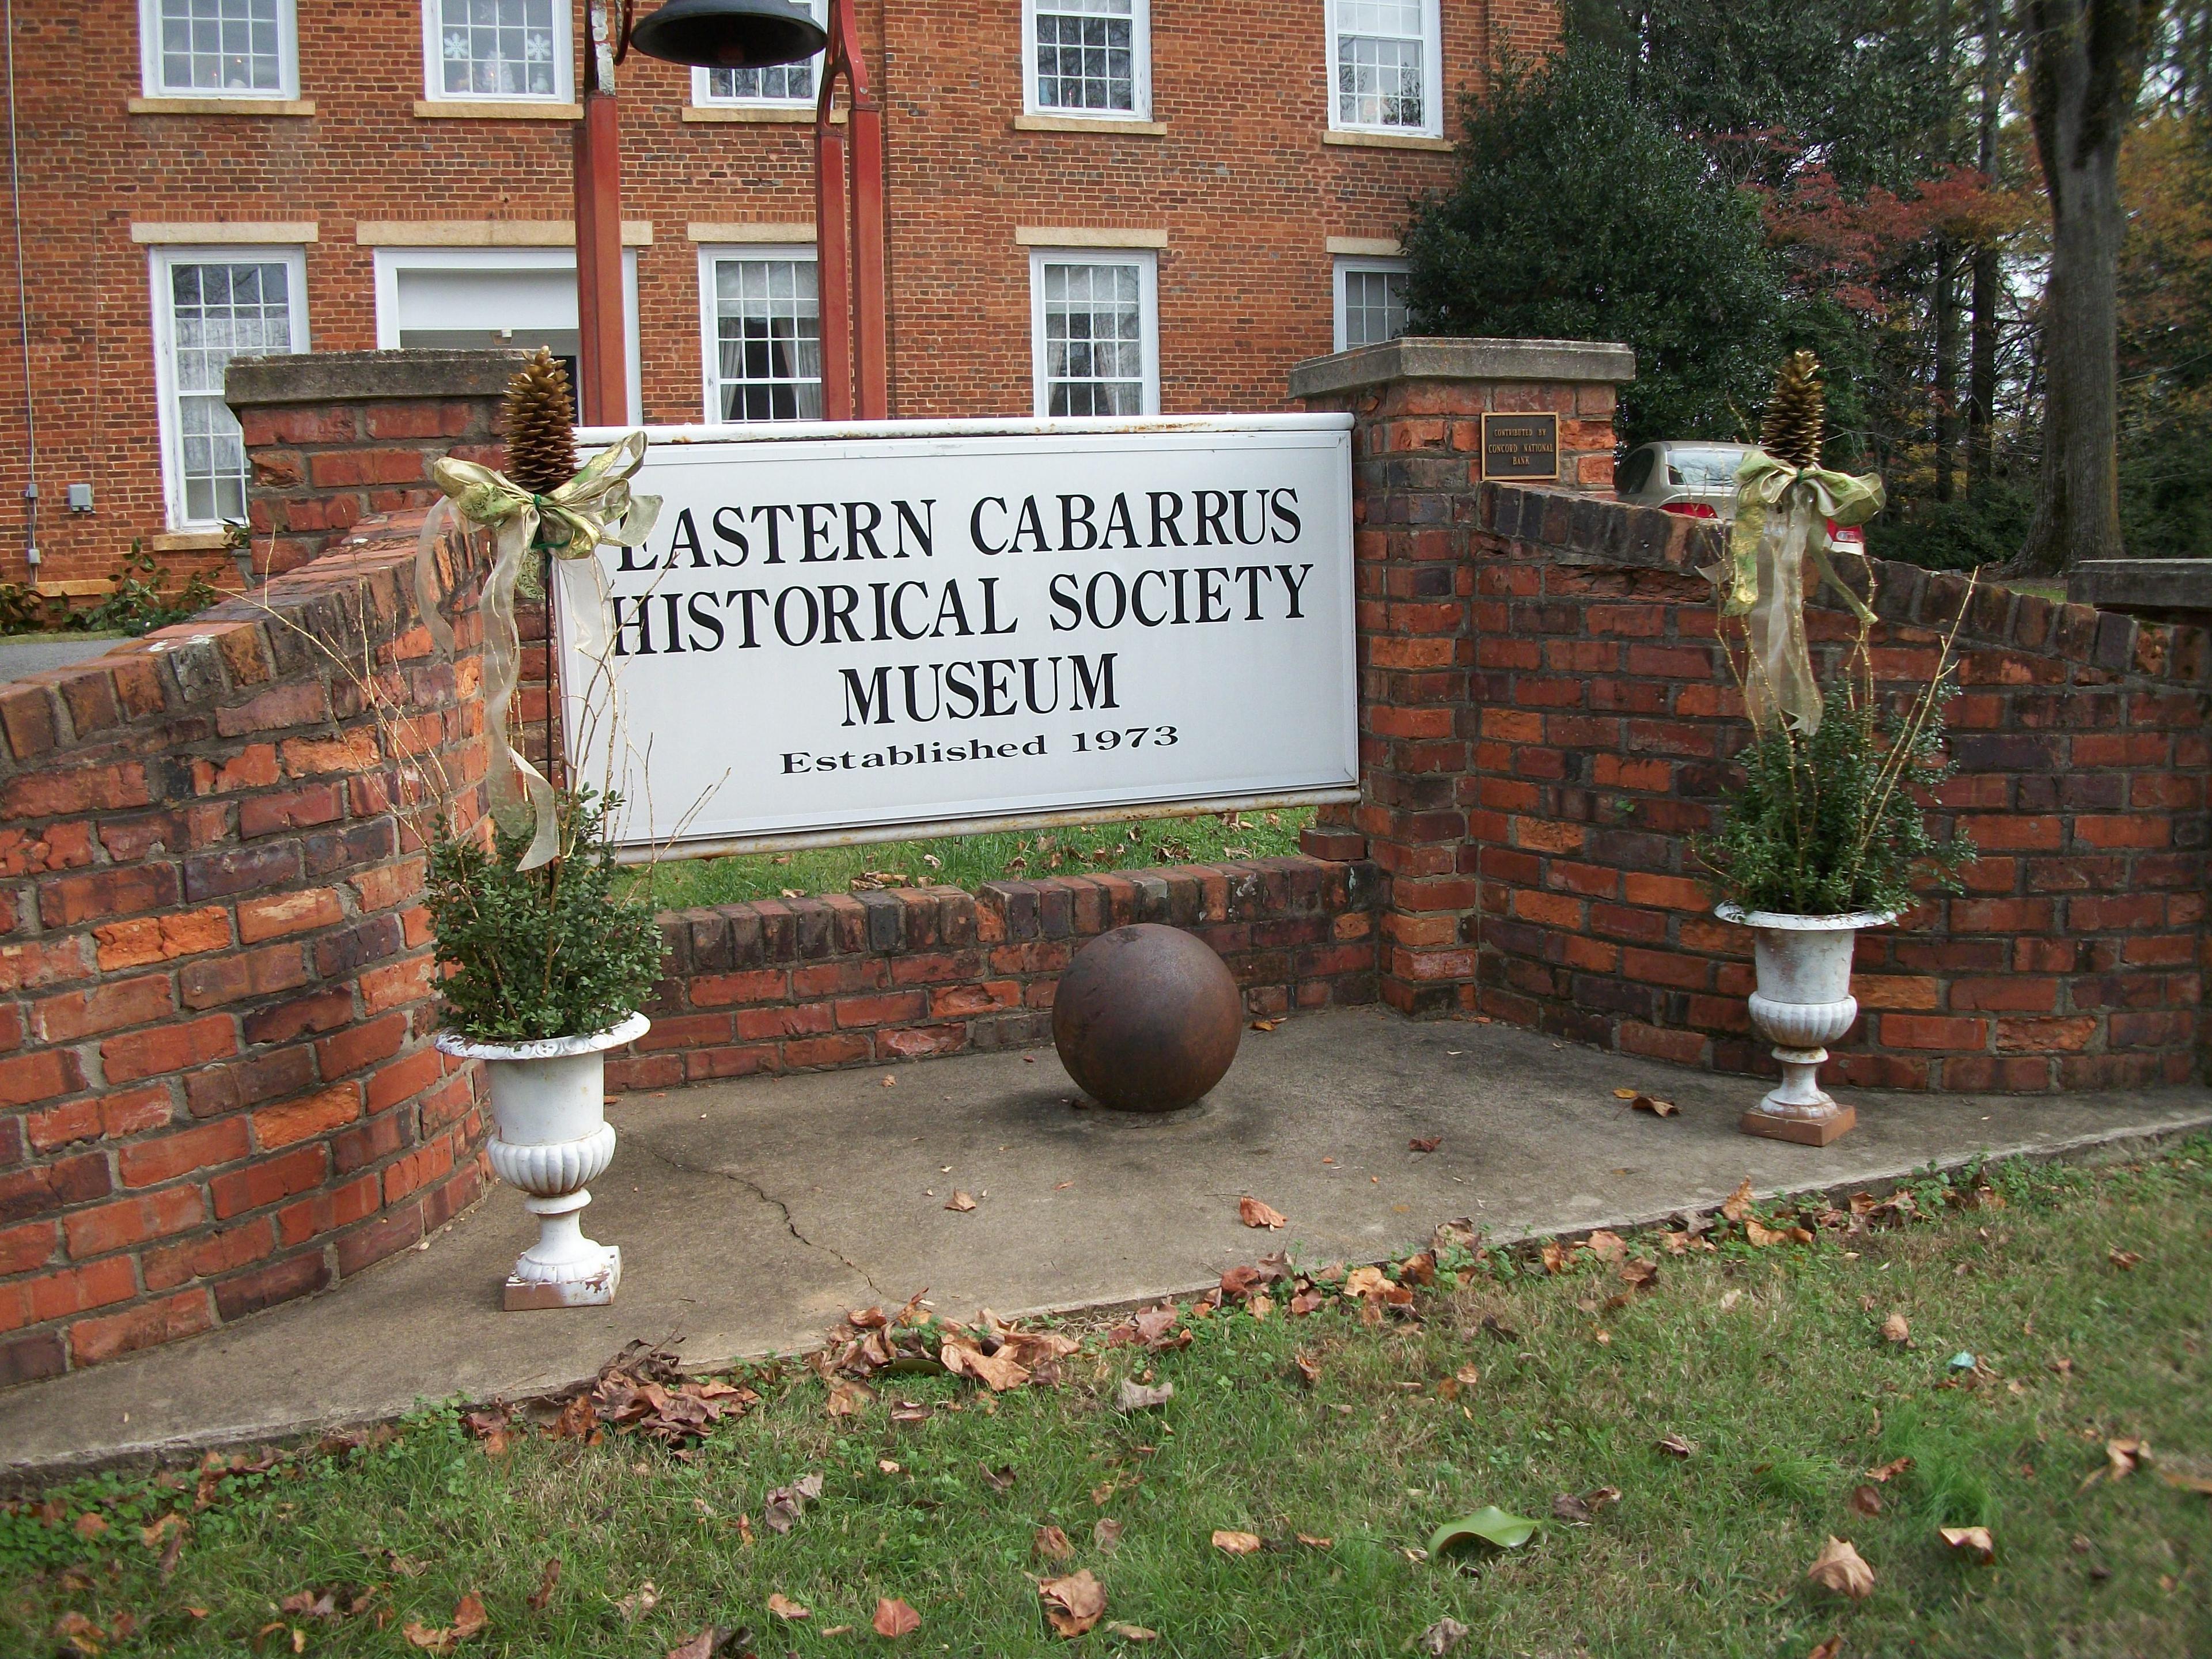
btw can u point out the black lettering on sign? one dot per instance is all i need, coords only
(1524, 446)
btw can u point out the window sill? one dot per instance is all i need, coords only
(1386, 141)
(1119, 125)
(188, 541)
(493, 109)
(264, 106)
(81, 587)
(764, 115)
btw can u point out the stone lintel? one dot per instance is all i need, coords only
(1427, 357)
(345, 377)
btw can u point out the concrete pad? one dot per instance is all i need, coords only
(751, 1214)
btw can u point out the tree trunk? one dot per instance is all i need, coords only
(1946, 370)
(1982, 347)
(2085, 68)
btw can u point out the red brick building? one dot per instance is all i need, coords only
(1094, 204)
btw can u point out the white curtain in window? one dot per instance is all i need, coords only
(218, 311)
(221, 46)
(768, 338)
(1380, 64)
(1094, 344)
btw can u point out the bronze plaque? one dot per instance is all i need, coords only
(1524, 446)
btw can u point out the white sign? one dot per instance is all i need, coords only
(852, 632)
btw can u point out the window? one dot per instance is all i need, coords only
(470, 298)
(218, 48)
(761, 326)
(784, 84)
(496, 49)
(211, 305)
(1089, 56)
(1385, 62)
(1370, 301)
(1093, 327)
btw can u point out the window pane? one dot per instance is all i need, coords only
(497, 48)
(1094, 346)
(768, 335)
(218, 312)
(220, 45)
(785, 83)
(1085, 55)
(1380, 56)
(1374, 306)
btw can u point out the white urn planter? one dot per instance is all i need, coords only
(549, 1102)
(1802, 1003)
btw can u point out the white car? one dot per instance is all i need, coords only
(1696, 480)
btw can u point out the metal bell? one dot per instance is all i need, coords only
(730, 33)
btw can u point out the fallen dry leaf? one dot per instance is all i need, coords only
(1265, 1024)
(1675, 1446)
(1625, 1094)
(1106, 1536)
(1309, 1372)
(960, 1202)
(1557, 1257)
(706, 1644)
(1051, 1543)
(1888, 1470)
(468, 1620)
(1073, 1604)
(997, 1371)
(848, 1398)
(1253, 1214)
(89, 1525)
(1606, 1246)
(1762, 1237)
(1737, 1204)
(2122, 1259)
(1132, 1633)
(1972, 1542)
(1236, 1543)
(1657, 1107)
(548, 1579)
(894, 1618)
(1866, 1500)
(1895, 1328)
(2189, 1474)
(2123, 1457)
(1838, 1567)
(787, 1609)
(1429, 1146)
(1313, 1542)
(1831, 1649)
(1441, 1638)
(1133, 1396)
(1638, 1275)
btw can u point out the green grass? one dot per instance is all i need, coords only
(971, 861)
(1770, 1362)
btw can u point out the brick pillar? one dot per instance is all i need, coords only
(335, 436)
(1416, 466)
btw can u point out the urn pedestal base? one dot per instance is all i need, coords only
(597, 1290)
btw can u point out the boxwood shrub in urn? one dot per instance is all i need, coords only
(1828, 832)
(545, 965)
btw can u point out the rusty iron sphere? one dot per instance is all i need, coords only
(1146, 1018)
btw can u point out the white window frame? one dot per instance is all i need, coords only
(564, 65)
(1148, 298)
(1432, 76)
(149, 59)
(390, 261)
(710, 338)
(1347, 266)
(1140, 69)
(702, 78)
(162, 261)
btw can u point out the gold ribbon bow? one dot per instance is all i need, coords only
(1782, 514)
(595, 508)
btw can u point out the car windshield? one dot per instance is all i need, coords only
(1704, 469)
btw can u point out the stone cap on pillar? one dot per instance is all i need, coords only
(352, 377)
(1449, 358)
(2164, 590)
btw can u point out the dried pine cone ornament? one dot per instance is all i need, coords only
(541, 432)
(1796, 416)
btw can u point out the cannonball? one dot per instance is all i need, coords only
(1146, 1018)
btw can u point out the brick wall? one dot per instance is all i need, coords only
(217, 1086)
(867, 978)
(1546, 720)
(1241, 181)
(332, 438)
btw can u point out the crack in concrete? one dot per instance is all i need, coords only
(790, 1222)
